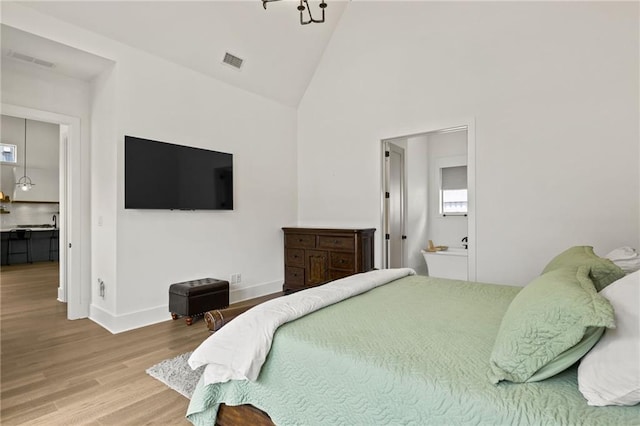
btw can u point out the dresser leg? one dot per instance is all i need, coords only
(189, 320)
(174, 316)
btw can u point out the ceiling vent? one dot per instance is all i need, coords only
(28, 58)
(232, 60)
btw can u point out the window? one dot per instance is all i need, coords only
(9, 154)
(453, 190)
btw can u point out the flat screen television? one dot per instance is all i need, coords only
(160, 175)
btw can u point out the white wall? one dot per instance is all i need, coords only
(554, 91)
(39, 89)
(161, 101)
(140, 253)
(104, 208)
(43, 143)
(43, 151)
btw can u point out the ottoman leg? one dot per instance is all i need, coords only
(189, 320)
(174, 316)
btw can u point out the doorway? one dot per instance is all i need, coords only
(72, 289)
(416, 167)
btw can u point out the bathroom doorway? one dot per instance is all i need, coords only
(431, 165)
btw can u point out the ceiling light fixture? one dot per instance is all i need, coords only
(304, 5)
(24, 182)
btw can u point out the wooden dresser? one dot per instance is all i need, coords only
(314, 256)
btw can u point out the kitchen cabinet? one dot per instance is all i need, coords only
(40, 244)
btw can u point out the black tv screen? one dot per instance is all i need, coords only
(159, 175)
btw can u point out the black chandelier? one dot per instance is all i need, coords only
(304, 5)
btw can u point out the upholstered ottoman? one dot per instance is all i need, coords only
(193, 298)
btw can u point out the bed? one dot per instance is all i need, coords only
(413, 351)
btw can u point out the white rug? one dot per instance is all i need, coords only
(177, 374)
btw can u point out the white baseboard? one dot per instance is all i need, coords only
(61, 296)
(246, 293)
(125, 322)
(119, 323)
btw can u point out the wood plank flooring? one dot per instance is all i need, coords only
(60, 372)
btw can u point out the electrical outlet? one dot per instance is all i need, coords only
(238, 278)
(101, 287)
(235, 278)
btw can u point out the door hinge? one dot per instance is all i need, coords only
(404, 237)
(69, 245)
(387, 153)
(387, 236)
(387, 195)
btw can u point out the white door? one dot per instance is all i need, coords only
(395, 209)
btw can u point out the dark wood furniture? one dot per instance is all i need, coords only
(193, 298)
(314, 256)
(229, 415)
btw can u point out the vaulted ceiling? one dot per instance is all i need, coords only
(280, 55)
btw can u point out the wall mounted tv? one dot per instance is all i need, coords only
(159, 175)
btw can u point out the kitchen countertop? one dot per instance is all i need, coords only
(33, 229)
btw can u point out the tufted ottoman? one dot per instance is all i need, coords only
(193, 298)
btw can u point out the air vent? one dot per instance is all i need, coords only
(28, 58)
(43, 63)
(232, 60)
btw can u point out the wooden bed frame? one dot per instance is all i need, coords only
(242, 414)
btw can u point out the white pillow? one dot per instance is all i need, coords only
(626, 258)
(610, 373)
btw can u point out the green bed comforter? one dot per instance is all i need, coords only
(412, 352)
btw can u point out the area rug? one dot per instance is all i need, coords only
(177, 374)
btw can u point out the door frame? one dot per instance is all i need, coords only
(464, 123)
(72, 289)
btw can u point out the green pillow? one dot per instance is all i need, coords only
(544, 321)
(569, 357)
(602, 271)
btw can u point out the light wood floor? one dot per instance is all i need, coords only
(60, 372)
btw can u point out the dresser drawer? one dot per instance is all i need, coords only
(336, 243)
(295, 257)
(335, 274)
(294, 277)
(300, 241)
(341, 260)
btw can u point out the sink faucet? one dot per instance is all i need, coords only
(55, 221)
(465, 242)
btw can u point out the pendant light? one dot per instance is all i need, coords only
(24, 182)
